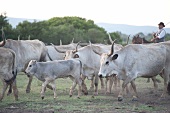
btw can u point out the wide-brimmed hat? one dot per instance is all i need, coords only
(161, 23)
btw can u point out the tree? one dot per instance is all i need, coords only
(9, 32)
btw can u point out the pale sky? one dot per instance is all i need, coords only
(131, 12)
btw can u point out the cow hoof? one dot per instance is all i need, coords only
(120, 98)
(70, 95)
(86, 93)
(42, 98)
(134, 99)
(92, 96)
(27, 91)
(78, 97)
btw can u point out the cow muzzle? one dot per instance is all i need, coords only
(100, 75)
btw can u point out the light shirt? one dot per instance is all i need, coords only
(161, 33)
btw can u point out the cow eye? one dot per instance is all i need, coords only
(107, 63)
(30, 65)
(76, 56)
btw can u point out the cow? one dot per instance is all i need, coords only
(8, 71)
(26, 50)
(138, 40)
(64, 50)
(134, 61)
(90, 60)
(49, 71)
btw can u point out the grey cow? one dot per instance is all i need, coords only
(49, 71)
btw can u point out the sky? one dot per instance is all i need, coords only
(131, 12)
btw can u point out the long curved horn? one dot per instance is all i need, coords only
(128, 40)
(3, 37)
(111, 41)
(76, 47)
(57, 49)
(112, 48)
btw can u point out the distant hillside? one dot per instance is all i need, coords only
(129, 29)
(126, 29)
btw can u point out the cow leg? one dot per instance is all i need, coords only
(3, 90)
(166, 80)
(155, 83)
(111, 79)
(107, 78)
(43, 88)
(29, 84)
(10, 90)
(92, 84)
(118, 81)
(84, 88)
(115, 79)
(148, 80)
(120, 96)
(79, 81)
(72, 88)
(102, 83)
(15, 90)
(54, 88)
(96, 84)
(135, 95)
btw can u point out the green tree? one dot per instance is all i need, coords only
(9, 32)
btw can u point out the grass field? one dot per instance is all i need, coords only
(149, 100)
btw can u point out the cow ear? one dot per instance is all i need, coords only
(115, 57)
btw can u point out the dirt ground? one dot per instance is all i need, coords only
(149, 101)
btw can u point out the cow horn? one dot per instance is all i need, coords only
(90, 43)
(111, 41)
(112, 48)
(18, 37)
(57, 49)
(72, 41)
(128, 40)
(3, 37)
(76, 47)
(60, 42)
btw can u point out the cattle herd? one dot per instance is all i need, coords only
(94, 62)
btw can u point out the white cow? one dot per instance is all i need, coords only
(49, 71)
(137, 61)
(26, 50)
(90, 60)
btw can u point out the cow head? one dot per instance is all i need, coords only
(72, 53)
(31, 68)
(107, 62)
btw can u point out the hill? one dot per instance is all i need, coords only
(126, 29)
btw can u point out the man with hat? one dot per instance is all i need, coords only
(159, 36)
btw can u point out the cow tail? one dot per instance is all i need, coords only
(49, 56)
(14, 68)
(81, 67)
(168, 88)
